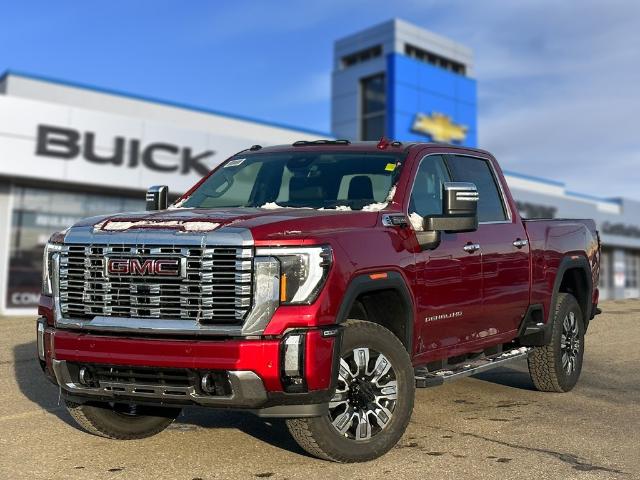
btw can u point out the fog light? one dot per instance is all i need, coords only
(208, 384)
(40, 339)
(85, 376)
(292, 364)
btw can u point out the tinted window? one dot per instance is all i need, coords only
(304, 179)
(426, 196)
(475, 170)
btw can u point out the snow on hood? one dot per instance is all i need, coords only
(183, 225)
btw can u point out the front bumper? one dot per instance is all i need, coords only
(253, 368)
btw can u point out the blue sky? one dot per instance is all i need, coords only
(558, 81)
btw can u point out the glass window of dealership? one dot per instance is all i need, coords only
(37, 212)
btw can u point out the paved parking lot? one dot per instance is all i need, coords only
(493, 425)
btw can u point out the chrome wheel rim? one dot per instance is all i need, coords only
(570, 343)
(366, 395)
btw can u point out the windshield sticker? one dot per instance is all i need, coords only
(390, 167)
(235, 162)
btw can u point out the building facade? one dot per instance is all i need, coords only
(70, 151)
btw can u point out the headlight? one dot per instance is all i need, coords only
(303, 271)
(49, 249)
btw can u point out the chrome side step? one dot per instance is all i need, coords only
(425, 379)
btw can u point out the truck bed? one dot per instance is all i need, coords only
(553, 244)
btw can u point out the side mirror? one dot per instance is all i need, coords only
(460, 213)
(157, 198)
(460, 207)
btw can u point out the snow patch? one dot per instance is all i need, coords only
(270, 206)
(187, 226)
(416, 222)
(514, 352)
(375, 207)
(392, 192)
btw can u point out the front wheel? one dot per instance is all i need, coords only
(373, 400)
(122, 421)
(556, 367)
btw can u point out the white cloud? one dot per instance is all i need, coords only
(558, 83)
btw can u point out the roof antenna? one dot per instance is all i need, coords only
(383, 143)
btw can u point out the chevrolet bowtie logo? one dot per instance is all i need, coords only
(439, 127)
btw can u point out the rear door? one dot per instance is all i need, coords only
(503, 247)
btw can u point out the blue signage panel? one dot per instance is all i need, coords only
(429, 103)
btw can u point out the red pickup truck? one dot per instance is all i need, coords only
(320, 282)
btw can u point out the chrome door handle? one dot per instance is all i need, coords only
(471, 247)
(519, 243)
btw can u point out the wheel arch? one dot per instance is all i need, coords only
(369, 298)
(574, 277)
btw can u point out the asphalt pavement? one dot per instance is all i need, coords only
(491, 426)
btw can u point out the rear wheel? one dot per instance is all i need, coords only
(556, 367)
(373, 401)
(122, 421)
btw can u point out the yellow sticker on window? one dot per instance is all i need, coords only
(390, 167)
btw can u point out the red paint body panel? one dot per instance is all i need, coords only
(492, 288)
(259, 356)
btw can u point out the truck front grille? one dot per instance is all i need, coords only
(214, 284)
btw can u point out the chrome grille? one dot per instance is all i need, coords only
(215, 286)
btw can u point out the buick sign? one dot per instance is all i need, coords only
(68, 144)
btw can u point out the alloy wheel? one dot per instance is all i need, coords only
(570, 343)
(366, 394)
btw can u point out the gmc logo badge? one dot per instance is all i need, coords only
(166, 267)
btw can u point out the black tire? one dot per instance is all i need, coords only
(548, 365)
(118, 422)
(320, 438)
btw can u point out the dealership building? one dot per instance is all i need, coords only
(69, 151)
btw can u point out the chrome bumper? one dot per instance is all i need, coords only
(247, 390)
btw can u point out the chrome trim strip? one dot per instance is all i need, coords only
(159, 326)
(246, 387)
(225, 236)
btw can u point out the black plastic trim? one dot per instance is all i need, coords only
(364, 284)
(566, 264)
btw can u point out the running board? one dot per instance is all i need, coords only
(425, 379)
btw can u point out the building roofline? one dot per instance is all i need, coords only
(533, 178)
(568, 193)
(169, 103)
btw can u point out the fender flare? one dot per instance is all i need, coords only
(363, 283)
(530, 332)
(568, 263)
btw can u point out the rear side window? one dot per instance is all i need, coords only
(476, 170)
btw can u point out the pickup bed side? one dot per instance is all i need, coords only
(564, 258)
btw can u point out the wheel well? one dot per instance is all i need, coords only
(387, 308)
(574, 281)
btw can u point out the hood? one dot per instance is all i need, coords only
(263, 223)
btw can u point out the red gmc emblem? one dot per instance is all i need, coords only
(169, 267)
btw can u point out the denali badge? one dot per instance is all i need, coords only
(443, 316)
(167, 267)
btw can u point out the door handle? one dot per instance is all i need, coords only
(519, 243)
(471, 247)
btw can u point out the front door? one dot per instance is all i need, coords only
(449, 277)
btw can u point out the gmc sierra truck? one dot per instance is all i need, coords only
(320, 282)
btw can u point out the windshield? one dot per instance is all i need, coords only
(353, 180)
